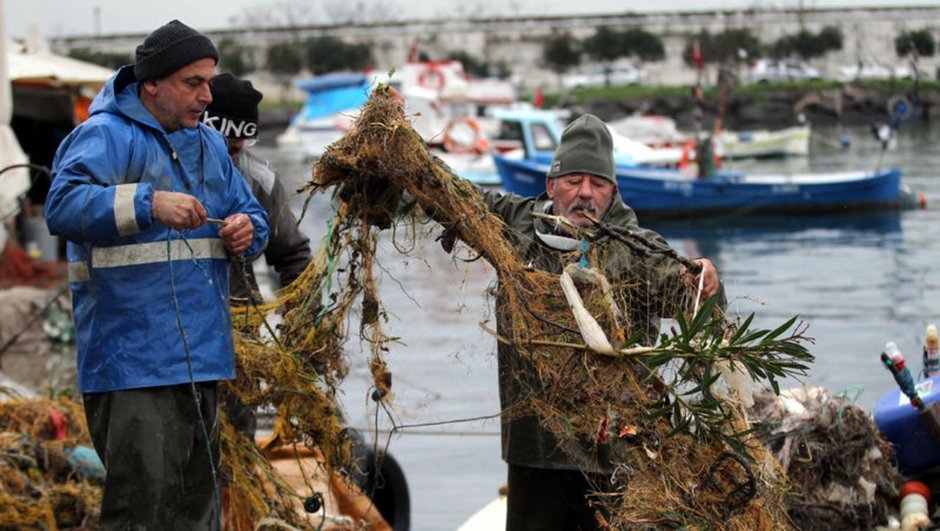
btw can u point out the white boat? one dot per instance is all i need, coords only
(651, 129)
(646, 155)
(492, 517)
(440, 100)
(449, 83)
(661, 132)
(792, 141)
(542, 126)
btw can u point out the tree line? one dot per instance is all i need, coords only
(560, 51)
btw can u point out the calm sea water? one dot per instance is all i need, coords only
(857, 280)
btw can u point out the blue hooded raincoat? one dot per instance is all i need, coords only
(120, 259)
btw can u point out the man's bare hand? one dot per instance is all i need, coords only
(237, 233)
(178, 211)
(710, 280)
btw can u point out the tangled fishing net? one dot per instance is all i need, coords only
(665, 416)
(661, 416)
(838, 463)
(46, 481)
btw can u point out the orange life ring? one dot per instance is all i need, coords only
(477, 144)
(432, 78)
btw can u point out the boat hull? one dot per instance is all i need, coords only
(764, 144)
(668, 193)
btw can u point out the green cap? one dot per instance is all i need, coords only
(585, 147)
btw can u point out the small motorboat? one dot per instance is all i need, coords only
(661, 131)
(792, 141)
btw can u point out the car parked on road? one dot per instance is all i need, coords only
(773, 71)
(873, 70)
(612, 75)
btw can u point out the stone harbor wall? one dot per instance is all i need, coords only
(773, 109)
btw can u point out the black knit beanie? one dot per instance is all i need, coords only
(234, 108)
(170, 48)
(585, 147)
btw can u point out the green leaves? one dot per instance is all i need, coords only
(691, 360)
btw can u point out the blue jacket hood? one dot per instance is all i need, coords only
(119, 96)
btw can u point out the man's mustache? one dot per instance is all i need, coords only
(584, 205)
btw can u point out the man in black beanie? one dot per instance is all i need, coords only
(234, 113)
(169, 48)
(133, 190)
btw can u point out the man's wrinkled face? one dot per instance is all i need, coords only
(576, 193)
(179, 100)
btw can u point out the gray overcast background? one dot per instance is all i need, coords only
(78, 17)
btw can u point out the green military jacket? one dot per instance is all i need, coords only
(524, 441)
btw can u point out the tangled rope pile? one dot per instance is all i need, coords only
(43, 483)
(680, 451)
(660, 415)
(838, 462)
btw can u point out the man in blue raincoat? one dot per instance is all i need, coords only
(152, 208)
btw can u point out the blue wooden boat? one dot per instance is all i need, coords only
(667, 192)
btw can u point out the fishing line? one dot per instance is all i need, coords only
(396, 428)
(440, 433)
(189, 366)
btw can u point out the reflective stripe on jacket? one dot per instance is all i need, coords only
(120, 259)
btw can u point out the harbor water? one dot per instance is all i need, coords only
(856, 280)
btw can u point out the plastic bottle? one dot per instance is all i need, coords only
(893, 358)
(931, 352)
(915, 501)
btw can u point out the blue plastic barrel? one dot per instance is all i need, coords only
(900, 422)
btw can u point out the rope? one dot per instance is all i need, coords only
(40, 170)
(189, 367)
(330, 265)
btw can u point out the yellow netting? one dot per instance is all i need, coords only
(39, 489)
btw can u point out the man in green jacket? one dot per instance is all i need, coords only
(548, 487)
